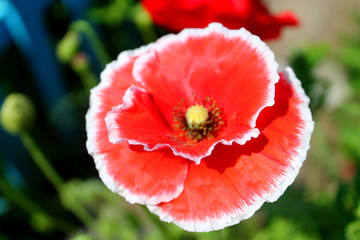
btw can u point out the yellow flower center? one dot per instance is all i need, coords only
(202, 120)
(196, 116)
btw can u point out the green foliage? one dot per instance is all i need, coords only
(82, 236)
(112, 14)
(41, 222)
(349, 55)
(324, 202)
(353, 230)
(303, 63)
(281, 228)
(347, 118)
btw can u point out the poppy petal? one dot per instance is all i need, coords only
(253, 15)
(137, 175)
(232, 183)
(139, 122)
(219, 56)
(270, 26)
(234, 67)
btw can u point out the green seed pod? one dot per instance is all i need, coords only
(68, 46)
(17, 113)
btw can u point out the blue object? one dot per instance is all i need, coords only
(77, 7)
(22, 22)
(25, 25)
(13, 22)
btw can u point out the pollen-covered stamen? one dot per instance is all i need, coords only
(203, 119)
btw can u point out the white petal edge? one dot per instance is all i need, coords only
(281, 184)
(115, 132)
(254, 41)
(167, 40)
(252, 133)
(92, 126)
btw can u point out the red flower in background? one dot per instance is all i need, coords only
(175, 15)
(199, 126)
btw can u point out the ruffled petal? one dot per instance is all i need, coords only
(139, 122)
(232, 183)
(139, 176)
(233, 67)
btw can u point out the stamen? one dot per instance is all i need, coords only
(203, 119)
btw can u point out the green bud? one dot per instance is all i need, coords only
(68, 46)
(17, 113)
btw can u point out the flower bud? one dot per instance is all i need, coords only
(17, 113)
(68, 46)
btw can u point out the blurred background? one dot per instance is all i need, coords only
(53, 52)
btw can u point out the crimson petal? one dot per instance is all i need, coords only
(232, 183)
(139, 176)
(253, 15)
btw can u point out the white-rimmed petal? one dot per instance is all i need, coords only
(249, 175)
(140, 177)
(240, 74)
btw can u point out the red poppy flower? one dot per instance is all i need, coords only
(199, 126)
(253, 15)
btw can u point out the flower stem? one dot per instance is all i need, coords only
(78, 209)
(15, 196)
(144, 24)
(30, 207)
(85, 28)
(88, 80)
(53, 177)
(156, 221)
(41, 161)
(81, 66)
